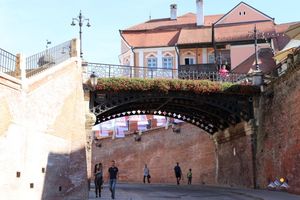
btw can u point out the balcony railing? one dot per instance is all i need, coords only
(111, 71)
(7, 62)
(199, 67)
(48, 58)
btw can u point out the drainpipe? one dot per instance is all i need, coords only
(132, 68)
(213, 41)
(178, 60)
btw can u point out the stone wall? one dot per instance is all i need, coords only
(278, 152)
(161, 149)
(42, 136)
(235, 156)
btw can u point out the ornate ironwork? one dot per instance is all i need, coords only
(48, 58)
(210, 112)
(7, 62)
(110, 71)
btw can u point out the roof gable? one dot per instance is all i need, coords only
(243, 13)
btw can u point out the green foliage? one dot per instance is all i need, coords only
(166, 85)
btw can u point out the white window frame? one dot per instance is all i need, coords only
(191, 58)
(152, 58)
(169, 62)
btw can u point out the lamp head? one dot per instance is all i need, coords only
(94, 80)
(73, 23)
(88, 24)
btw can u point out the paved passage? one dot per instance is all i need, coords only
(185, 192)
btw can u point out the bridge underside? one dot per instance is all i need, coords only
(210, 112)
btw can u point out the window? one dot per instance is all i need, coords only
(211, 58)
(152, 62)
(189, 61)
(168, 62)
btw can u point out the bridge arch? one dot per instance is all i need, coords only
(210, 112)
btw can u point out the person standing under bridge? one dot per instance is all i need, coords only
(113, 176)
(178, 173)
(98, 173)
(146, 174)
(189, 176)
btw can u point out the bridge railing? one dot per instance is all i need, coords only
(109, 71)
(113, 71)
(48, 58)
(7, 62)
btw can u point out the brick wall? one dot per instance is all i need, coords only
(278, 153)
(235, 157)
(42, 136)
(161, 149)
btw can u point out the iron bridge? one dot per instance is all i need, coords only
(210, 112)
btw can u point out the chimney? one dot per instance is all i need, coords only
(200, 14)
(173, 8)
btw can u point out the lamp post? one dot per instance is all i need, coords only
(255, 49)
(80, 19)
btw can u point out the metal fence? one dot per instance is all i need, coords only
(110, 71)
(48, 58)
(7, 62)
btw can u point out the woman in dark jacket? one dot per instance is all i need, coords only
(98, 173)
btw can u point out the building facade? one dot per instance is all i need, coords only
(203, 43)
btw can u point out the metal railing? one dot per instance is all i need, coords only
(113, 71)
(48, 58)
(110, 71)
(212, 76)
(208, 67)
(7, 62)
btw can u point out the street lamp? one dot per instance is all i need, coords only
(80, 19)
(94, 80)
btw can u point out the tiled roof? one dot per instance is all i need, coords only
(187, 20)
(167, 32)
(281, 39)
(265, 61)
(194, 36)
(151, 38)
(244, 31)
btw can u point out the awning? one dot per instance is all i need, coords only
(282, 55)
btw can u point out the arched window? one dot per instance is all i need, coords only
(167, 61)
(151, 62)
(189, 58)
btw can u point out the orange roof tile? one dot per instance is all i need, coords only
(194, 36)
(244, 31)
(167, 32)
(187, 20)
(265, 61)
(151, 39)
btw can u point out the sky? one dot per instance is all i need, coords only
(26, 25)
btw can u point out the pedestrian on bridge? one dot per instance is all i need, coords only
(113, 176)
(98, 173)
(178, 173)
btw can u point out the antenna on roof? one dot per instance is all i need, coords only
(150, 15)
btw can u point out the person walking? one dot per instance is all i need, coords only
(146, 174)
(189, 176)
(178, 173)
(98, 174)
(113, 176)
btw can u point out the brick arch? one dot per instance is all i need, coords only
(210, 112)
